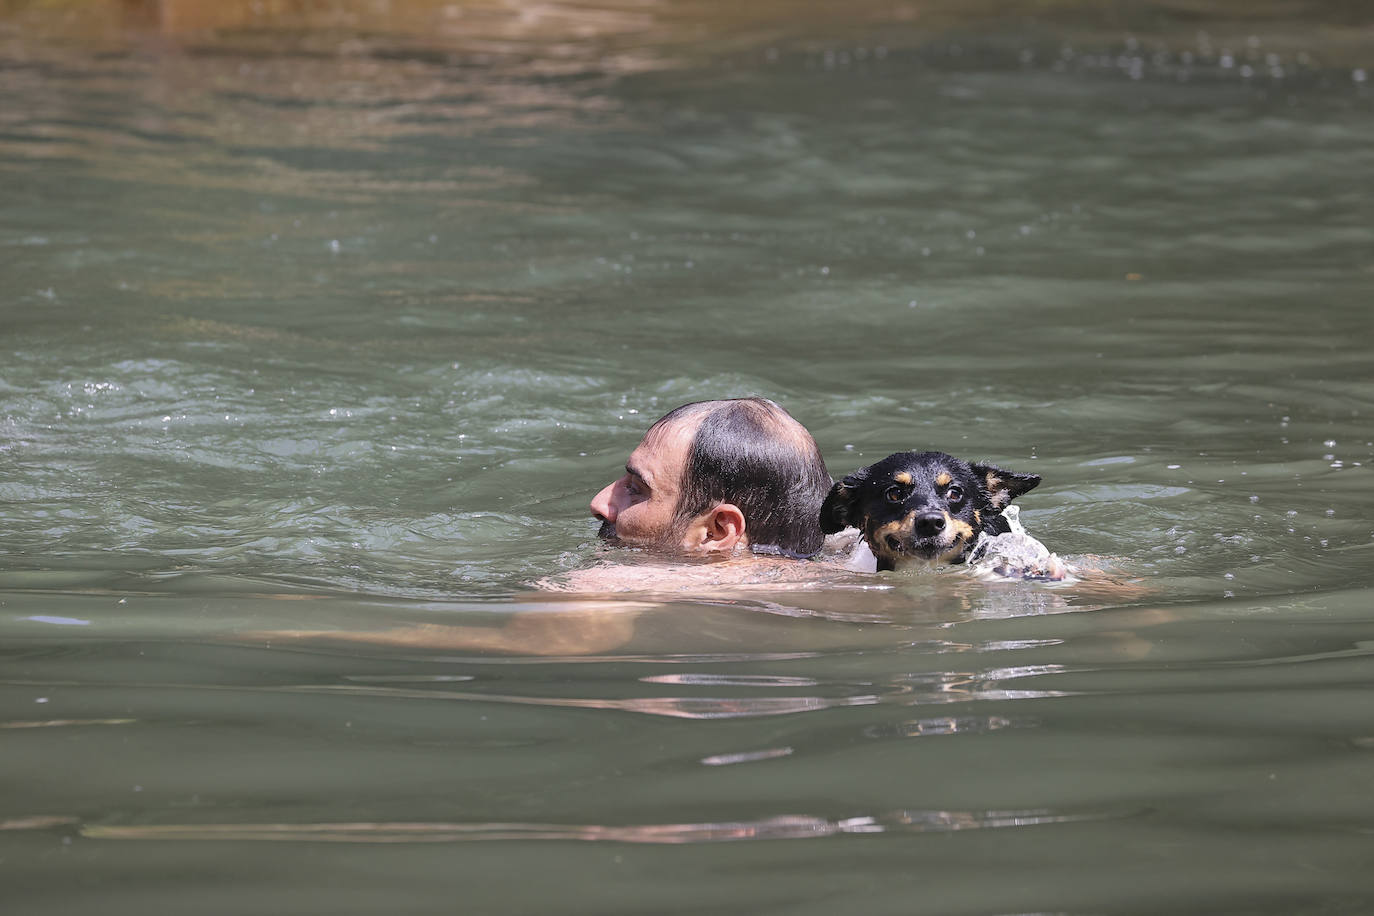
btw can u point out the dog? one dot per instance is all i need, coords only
(923, 506)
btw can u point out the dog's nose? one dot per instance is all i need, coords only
(929, 524)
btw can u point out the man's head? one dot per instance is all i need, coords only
(714, 475)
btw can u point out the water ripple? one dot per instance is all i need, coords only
(780, 827)
(672, 707)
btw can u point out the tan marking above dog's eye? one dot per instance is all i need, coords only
(902, 477)
(943, 479)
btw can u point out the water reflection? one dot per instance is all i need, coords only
(781, 827)
(65, 723)
(934, 726)
(771, 753)
(670, 707)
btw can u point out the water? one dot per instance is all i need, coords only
(336, 322)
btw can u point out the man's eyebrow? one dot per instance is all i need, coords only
(636, 472)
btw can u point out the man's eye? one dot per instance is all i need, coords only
(632, 488)
(954, 494)
(895, 494)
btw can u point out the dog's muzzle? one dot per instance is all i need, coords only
(930, 537)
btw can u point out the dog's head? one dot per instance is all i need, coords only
(923, 505)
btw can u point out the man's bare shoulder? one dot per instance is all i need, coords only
(835, 566)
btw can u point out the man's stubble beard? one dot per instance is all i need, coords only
(669, 543)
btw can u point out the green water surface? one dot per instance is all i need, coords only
(330, 325)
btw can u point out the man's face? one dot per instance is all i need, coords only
(640, 508)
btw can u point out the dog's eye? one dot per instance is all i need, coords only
(895, 494)
(954, 494)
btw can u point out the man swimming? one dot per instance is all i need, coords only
(717, 477)
(738, 482)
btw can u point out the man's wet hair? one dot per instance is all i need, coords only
(752, 453)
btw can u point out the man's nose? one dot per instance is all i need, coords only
(602, 506)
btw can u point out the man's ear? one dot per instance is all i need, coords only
(837, 512)
(719, 530)
(1004, 486)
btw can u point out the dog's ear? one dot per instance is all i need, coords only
(1004, 486)
(837, 512)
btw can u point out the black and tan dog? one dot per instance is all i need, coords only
(925, 506)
